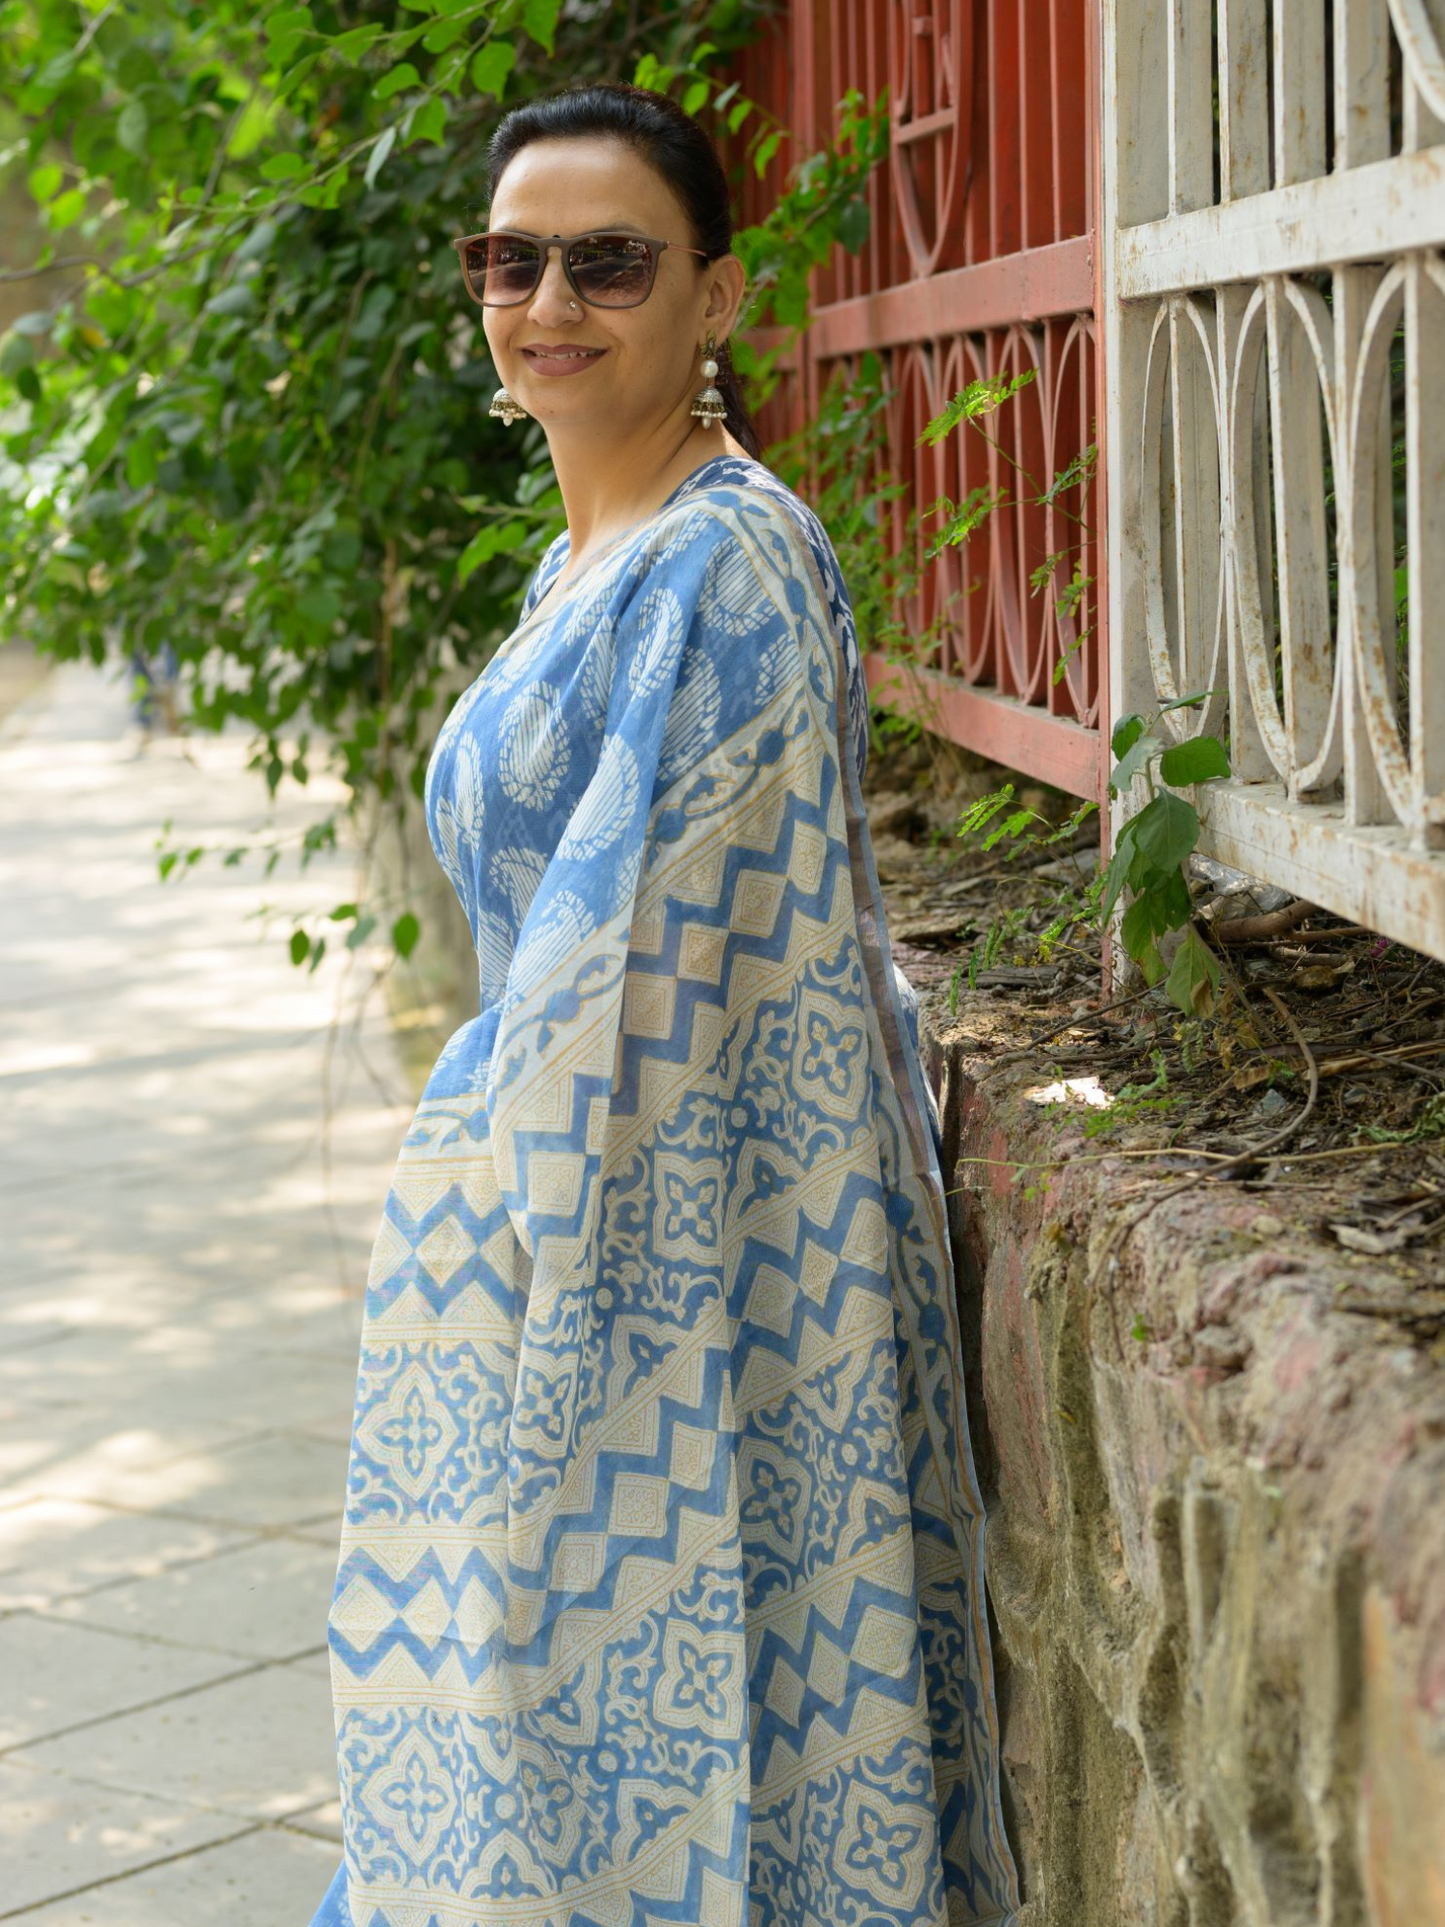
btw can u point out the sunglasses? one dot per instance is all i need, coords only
(605, 270)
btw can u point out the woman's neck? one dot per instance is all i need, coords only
(606, 491)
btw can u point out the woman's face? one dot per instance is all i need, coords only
(649, 367)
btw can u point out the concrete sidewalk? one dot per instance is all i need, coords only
(180, 1298)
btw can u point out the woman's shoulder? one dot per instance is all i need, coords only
(758, 511)
(748, 484)
(745, 498)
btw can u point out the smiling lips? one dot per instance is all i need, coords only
(547, 360)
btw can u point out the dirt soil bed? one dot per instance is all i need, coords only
(1318, 1083)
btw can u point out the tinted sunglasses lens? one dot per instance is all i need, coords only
(500, 269)
(612, 270)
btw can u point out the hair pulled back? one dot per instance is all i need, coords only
(674, 145)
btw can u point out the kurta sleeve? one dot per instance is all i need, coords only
(738, 1482)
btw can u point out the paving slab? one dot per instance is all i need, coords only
(143, 1460)
(58, 1676)
(195, 1145)
(51, 1843)
(261, 1744)
(276, 1479)
(259, 1600)
(271, 1877)
(235, 1387)
(323, 1821)
(52, 1549)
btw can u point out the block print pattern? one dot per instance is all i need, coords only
(660, 1589)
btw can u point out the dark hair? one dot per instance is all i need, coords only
(671, 142)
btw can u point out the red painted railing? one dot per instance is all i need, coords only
(979, 261)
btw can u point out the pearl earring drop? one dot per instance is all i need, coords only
(709, 406)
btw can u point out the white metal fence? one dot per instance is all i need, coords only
(1274, 306)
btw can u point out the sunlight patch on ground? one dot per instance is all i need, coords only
(1088, 1088)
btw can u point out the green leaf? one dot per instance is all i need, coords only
(385, 142)
(404, 933)
(539, 17)
(695, 96)
(141, 464)
(492, 65)
(1189, 702)
(287, 20)
(294, 75)
(1199, 760)
(853, 224)
(131, 127)
(497, 538)
(352, 45)
(1132, 763)
(445, 34)
(975, 399)
(44, 181)
(1194, 978)
(1166, 830)
(239, 298)
(300, 945)
(66, 208)
(283, 167)
(1127, 732)
(359, 934)
(429, 123)
(28, 382)
(17, 353)
(1141, 924)
(1176, 906)
(319, 605)
(256, 243)
(1117, 874)
(1151, 964)
(738, 115)
(401, 76)
(766, 148)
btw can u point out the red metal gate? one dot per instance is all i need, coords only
(979, 261)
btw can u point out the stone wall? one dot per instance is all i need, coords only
(1217, 1533)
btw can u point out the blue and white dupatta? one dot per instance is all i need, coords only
(660, 1595)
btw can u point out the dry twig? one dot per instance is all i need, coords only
(1251, 929)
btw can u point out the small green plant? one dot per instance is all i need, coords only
(969, 408)
(1429, 1122)
(999, 818)
(1148, 861)
(1153, 846)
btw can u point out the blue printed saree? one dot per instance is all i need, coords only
(660, 1595)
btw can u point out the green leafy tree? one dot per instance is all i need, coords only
(253, 425)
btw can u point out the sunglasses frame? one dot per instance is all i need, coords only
(546, 242)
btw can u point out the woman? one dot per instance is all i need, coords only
(660, 1594)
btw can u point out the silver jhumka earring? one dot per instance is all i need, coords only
(709, 406)
(506, 408)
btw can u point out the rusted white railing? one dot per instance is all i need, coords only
(1274, 310)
